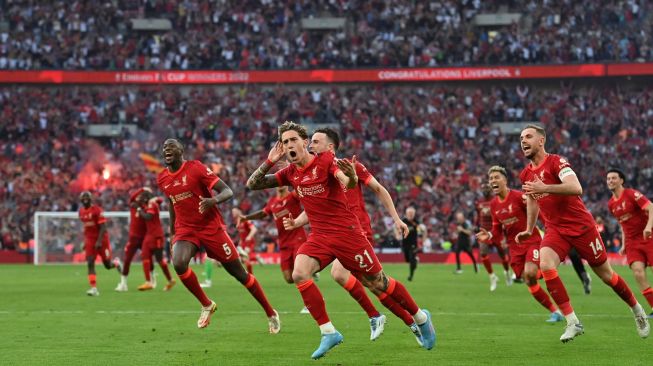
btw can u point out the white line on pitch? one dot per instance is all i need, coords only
(127, 312)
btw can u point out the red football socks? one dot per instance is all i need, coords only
(619, 286)
(91, 280)
(357, 291)
(398, 292)
(542, 297)
(190, 281)
(396, 309)
(313, 301)
(648, 294)
(557, 290)
(146, 269)
(486, 263)
(164, 268)
(255, 289)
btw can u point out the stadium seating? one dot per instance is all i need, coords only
(264, 34)
(430, 145)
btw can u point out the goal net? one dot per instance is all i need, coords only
(59, 237)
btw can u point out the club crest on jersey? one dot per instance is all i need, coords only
(178, 183)
(638, 195)
(510, 208)
(542, 175)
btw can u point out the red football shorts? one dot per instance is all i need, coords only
(134, 243)
(287, 256)
(520, 254)
(352, 249)
(104, 252)
(589, 245)
(150, 244)
(216, 242)
(640, 251)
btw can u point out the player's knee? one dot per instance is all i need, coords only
(530, 278)
(300, 276)
(339, 276)
(180, 266)
(639, 274)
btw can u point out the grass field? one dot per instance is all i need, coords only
(46, 319)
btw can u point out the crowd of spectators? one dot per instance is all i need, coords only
(429, 145)
(266, 34)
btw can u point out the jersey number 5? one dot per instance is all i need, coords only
(227, 250)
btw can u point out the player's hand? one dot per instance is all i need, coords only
(348, 167)
(523, 236)
(282, 163)
(647, 232)
(289, 223)
(206, 204)
(534, 187)
(402, 228)
(241, 218)
(483, 235)
(276, 153)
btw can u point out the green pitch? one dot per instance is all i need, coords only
(46, 319)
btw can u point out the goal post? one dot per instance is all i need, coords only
(59, 237)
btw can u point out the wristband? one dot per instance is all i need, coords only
(269, 162)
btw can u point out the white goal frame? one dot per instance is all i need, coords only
(39, 215)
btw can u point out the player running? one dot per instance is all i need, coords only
(247, 242)
(328, 140)
(136, 235)
(153, 242)
(284, 204)
(635, 214)
(552, 186)
(484, 221)
(96, 239)
(195, 221)
(336, 231)
(508, 213)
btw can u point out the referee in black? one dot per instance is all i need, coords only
(409, 243)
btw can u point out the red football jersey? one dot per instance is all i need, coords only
(629, 209)
(355, 198)
(320, 193)
(244, 228)
(154, 227)
(91, 218)
(484, 218)
(566, 214)
(136, 223)
(185, 188)
(283, 207)
(509, 218)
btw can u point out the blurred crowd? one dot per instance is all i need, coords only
(266, 34)
(429, 145)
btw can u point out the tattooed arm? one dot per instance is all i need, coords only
(260, 179)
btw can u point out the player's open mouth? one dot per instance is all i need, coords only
(526, 149)
(293, 154)
(495, 186)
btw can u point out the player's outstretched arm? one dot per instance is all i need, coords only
(258, 215)
(260, 179)
(385, 198)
